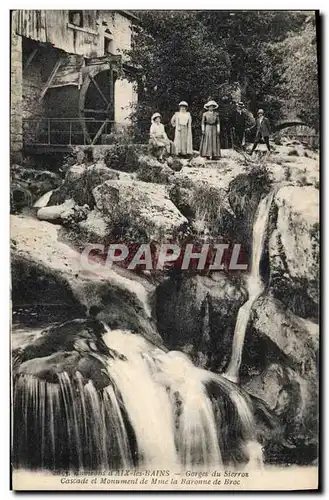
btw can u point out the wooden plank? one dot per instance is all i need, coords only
(50, 79)
(99, 90)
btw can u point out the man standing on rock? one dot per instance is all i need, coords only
(240, 125)
(262, 132)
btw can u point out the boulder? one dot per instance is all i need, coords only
(94, 229)
(29, 184)
(301, 169)
(289, 338)
(290, 431)
(56, 213)
(140, 209)
(71, 346)
(151, 170)
(46, 270)
(294, 249)
(198, 313)
(67, 214)
(79, 182)
(279, 370)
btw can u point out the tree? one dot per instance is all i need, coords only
(300, 73)
(179, 61)
(191, 55)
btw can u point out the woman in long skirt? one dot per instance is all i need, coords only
(210, 125)
(182, 121)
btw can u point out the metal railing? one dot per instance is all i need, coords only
(64, 131)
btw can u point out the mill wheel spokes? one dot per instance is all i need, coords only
(98, 105)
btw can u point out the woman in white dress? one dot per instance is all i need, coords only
(182, 121)
(159, 142)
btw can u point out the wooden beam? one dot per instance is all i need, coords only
(30, 59)
(97, 111)
(50, 79)
(99, 132)
(99, 90)
(111, 94)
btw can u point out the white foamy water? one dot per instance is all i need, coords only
(146, 401)
(254, 286)
(150, 382)
(156, 413)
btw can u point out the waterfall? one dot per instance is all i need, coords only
(146, 401)
(158, 411)
(67, 425)
(254, 286)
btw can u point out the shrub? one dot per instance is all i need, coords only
(122, 154)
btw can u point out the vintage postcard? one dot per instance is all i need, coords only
(164, 250)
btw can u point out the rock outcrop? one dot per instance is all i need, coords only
(198, 313)
(148, 201)
(293, 338)
(45, 270)
(151, 170)
(140, 209)
(294, 249)
(79, 182)
(29, 184)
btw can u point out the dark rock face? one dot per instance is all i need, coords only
(198, 313)
(295, 337)
(294, 249)
(29, 184)
(279, 368)
(69, 347)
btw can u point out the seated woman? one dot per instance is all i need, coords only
(159, 142)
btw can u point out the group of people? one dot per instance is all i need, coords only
(210, 126)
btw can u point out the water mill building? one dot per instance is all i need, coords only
(71, 82)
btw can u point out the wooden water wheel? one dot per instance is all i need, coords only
(80, 100)
(96, 102)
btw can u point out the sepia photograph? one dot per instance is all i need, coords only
(165, 250)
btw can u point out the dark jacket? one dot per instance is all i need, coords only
(240, 120)
(263, 129)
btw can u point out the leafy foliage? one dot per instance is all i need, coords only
(193, 55)
(300, 73)
(179, 60)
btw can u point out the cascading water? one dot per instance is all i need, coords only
(157, 410)
(254, 286)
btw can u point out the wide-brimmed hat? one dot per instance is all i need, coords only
(183, 103)
(260, 111)
(211, 103)
(154, 116)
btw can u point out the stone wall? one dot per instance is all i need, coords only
(16, 132)
(124, 98)
(31, 108)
